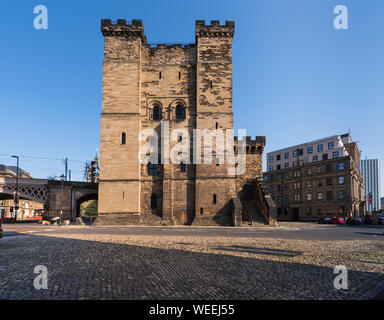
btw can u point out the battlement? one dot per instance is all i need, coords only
(215, 29)
(260, 140)
(131, 30)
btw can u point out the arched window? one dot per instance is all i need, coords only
(153, 201)
(152, 169)
(156, 112)
(180, 115)
(214, 199)
(183, 167)
(123, 136)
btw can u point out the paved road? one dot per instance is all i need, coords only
(297, 231)
(191, 263)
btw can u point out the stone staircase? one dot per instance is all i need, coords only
(254, 215)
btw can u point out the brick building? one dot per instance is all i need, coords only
(27, 208)
(189, 87)
(316, 179)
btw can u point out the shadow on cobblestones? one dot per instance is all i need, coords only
(264, 251)
(82, 269)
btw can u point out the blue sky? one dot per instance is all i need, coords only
(295, 77)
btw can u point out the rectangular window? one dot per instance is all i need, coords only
(325, 156)
(286, 165)
(271, 177)
(309, 183)
(270, 158)
(309, 171)
(341, 166)
(328, 168)
(309, 196)
(270, 168)
(319, 147)
(266, 178)
(335, 154)
(278, 157)
(319, 169)
(319, 196)
(294, 153)
(330, 145)
(301, 152)
(315, 158)
(341, 180)
(329, 195)
(272, 188)
(310, 150)
(341, 195)
(286, 155)
(328, 181)
(278, 167)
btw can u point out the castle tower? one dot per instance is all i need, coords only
(119, 196)
(184, 87)
(213, 112)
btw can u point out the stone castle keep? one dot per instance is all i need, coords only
(191, 87)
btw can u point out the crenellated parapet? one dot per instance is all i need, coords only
(215, 29)
(132, 30)
(255, 146)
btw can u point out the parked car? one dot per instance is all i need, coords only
(324, 220)
(380, 219)
(1, 230)
(337, 220)
(356, 221)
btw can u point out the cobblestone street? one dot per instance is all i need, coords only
(83, 264)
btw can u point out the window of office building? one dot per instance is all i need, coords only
(309, 171)
(328, 181)
(309, 183)
(335, 154)
(341, 180)
(325, 156)
(319, 147)
(310, 150)
(286, 165)
(319, 196)
(278, 157)
(286, 155)
(270, 158)
(315, 158)
(309, 196)
(329, 195)
(330, 145)
(341, 195)
(270, 168)
(340, 165)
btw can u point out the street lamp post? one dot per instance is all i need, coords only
(62, 197)
(16, 194)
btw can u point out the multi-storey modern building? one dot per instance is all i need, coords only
(370, 169)
(382, 204)
(320, 178)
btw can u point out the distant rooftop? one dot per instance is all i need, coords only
(12, 170)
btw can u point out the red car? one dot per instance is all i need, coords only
(337, 220)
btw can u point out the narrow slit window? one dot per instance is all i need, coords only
(123, 138)
(214, 199)
(217, 125)
(179, 75)
(160, 75)
(201, 211)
